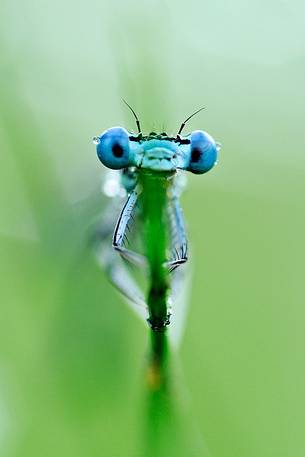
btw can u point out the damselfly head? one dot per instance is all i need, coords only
(157, 152)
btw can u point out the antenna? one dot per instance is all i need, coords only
(136, 117)
(183, 123)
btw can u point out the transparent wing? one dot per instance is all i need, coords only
(121, 232)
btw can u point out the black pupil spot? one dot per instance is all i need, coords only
(117, 150)
(196, 154)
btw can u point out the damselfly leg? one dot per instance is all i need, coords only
(120, 236)
(177, 235)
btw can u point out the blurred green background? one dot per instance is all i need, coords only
(72, 354)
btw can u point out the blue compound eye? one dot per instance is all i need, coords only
(113, 148)
(203, 152)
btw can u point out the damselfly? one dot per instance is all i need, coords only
(150, 231)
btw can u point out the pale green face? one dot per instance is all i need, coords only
(159, 155)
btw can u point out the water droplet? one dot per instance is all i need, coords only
(96, 140)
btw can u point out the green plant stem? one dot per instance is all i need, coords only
(155, 187)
